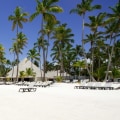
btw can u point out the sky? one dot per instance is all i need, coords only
(31, 29)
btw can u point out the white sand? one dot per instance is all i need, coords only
(59, 102)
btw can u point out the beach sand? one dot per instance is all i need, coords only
(59, 102)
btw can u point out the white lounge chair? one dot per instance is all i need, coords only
(90, 85)
(81, 86)
(29, 88)
(107, 86)
(116, 86)
(98, 85)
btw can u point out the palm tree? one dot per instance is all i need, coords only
(33, 55)
(22, 75)
(80, 64)
(78, 51)
(81, 10)
(63, 38)
(12, 51)
(116, 59)
(39, 45)
(92, 38)
(48, 29)
(2, 61)
(55, 58)
(70, 54)
(55, 54)
(49, 66)
(19, 44)
(30, 72)
(18, 18)
(2, 53)
(115, 16)
(17, 47)
(99, 52)
(112, 31)
(96, 22)
(45, 8)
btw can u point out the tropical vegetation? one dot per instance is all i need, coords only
(103, 38)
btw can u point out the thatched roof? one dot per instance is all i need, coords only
(25, 63)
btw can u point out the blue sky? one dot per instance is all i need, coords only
(31, 29)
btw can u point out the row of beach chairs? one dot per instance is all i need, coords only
(98, 85)
(29, 88)
(6, 83)
(36, 84)
(32, 86)
(43, 84)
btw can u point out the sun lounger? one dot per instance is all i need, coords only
(46, 84)
(30, 88)
(20, 83)
(38, 84)
(9, 83)
(43, 84)
(99, 86)
(116, 86)
(90, 85)
(81, 86)
(2, 83)
(103, 86)
(107, 86)
(27, 89)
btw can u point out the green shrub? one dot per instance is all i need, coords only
(59, 79)
(116, 73)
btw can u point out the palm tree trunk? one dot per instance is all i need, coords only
(32, 64)
(47, 47)
(61, 61)
(12, 72)
(40, 68)
(84, 50)
(17, 55)
(13, 68)
(79, 71)
(44, 61)
(92, 60)
(109, 60)
(17, 67)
